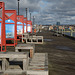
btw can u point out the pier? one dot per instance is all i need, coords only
(61, 53)
(36, 45)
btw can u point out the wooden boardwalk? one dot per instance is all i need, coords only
(61, 53)
(30, 47)
(38, 64)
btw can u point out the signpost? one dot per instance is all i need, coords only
(11, 27)
(2, 27)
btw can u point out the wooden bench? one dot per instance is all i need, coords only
(35, 40)
(5, 66)
(24, 47)
(25, 36)
(38, 64)
(57, 34)
(32, 39)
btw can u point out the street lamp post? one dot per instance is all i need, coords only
(26, 12)
(30, 16)
(26, 20)
(33, 20)
(18, 6)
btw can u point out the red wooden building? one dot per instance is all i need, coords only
(11, 27)
(20, 26)
(2, 27)
(25, 24)
(29, 26)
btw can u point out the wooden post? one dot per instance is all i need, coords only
(71, 32)
(16, 50)
(57, 30)
(42, 40)
(7, 63)
(62, 29)
(22, 38)
(24, 64)
(31, 39)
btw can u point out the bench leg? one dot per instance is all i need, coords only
(22, 38)
(7, 63)
(31, 40)
(31, 53)
(26, 40)
(25, 64)
(3, 64)
(16, 50)
(33, 49)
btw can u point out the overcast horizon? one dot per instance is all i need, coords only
(46, 11)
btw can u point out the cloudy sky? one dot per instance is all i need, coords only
(46, 11)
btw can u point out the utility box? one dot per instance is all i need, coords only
(20, 26)
(2, 27)
(11, 27)
(25, 24)
(29, 26)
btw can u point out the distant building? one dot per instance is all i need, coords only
(55, 27)
(40, 28)
(45, 27)
(51, 28)
(60, 27)
(71, 27)
(58, 23)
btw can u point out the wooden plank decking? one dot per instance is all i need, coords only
(24, 47)
(5, 56)
(38, 64)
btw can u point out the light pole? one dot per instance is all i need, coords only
(26, 12)
(30, 16)
(33, 20)
(18, 6)
(26, 20)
